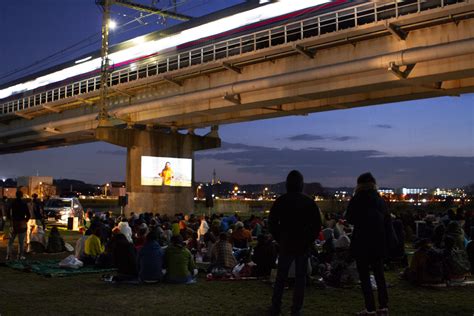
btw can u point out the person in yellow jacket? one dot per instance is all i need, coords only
(93, 246)
(167, 174)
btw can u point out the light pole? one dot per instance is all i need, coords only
(105, 189)
(41, 190)
(265, 191)
(197, 191)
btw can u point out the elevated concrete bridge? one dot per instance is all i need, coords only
(339, 60)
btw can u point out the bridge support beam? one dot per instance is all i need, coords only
(161, 199)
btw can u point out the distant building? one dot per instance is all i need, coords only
(409, 191)
(9, 192)
(114, 188)
(386, 191)
(43, 186)
(456, 193)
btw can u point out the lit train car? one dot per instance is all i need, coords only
(218, 26)
(172, 48)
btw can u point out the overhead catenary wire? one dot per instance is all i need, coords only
(64, 53)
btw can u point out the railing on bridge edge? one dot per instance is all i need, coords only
(310, 27)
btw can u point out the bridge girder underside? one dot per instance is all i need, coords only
(171, 103)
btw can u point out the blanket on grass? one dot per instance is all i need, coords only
(50, 268)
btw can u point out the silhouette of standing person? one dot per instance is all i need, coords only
(370, 240)
(294, 222)
(19, 215)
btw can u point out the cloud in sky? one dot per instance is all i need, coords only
(385, 126)
(242, 163)
(313, 137)
(334, 167)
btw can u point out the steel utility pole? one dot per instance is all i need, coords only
(104, 67)
(104, 52)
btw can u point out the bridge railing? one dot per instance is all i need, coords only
(310, 27)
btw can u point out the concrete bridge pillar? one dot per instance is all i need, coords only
(148, 142)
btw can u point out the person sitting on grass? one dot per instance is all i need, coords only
(125, 229)
(456, 261)
(123, 258)
(241, 236)
(37, 240)
(221, 254)
(140, 238)
(455, 232)
(80, 244)
(179, 263)
(150, 259)
(55, 242)
(426, 266)
(264, 256)
(93, 246)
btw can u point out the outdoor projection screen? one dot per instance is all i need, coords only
(166, 171)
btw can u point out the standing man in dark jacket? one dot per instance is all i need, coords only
(295, 223)
(19, 215)
(371, 238)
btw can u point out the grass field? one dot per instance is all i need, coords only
(23, 293)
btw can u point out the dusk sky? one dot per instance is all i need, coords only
(418, 143)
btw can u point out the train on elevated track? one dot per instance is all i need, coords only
(200, 40)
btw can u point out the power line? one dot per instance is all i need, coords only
(61, 54)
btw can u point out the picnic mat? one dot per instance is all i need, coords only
(50, 268)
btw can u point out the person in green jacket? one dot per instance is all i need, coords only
(179, 262)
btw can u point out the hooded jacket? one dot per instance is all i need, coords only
(372, 233)
(294, 219)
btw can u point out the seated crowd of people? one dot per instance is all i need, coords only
(151, 248)
(444, 251)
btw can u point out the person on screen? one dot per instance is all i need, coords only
(167, 174)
